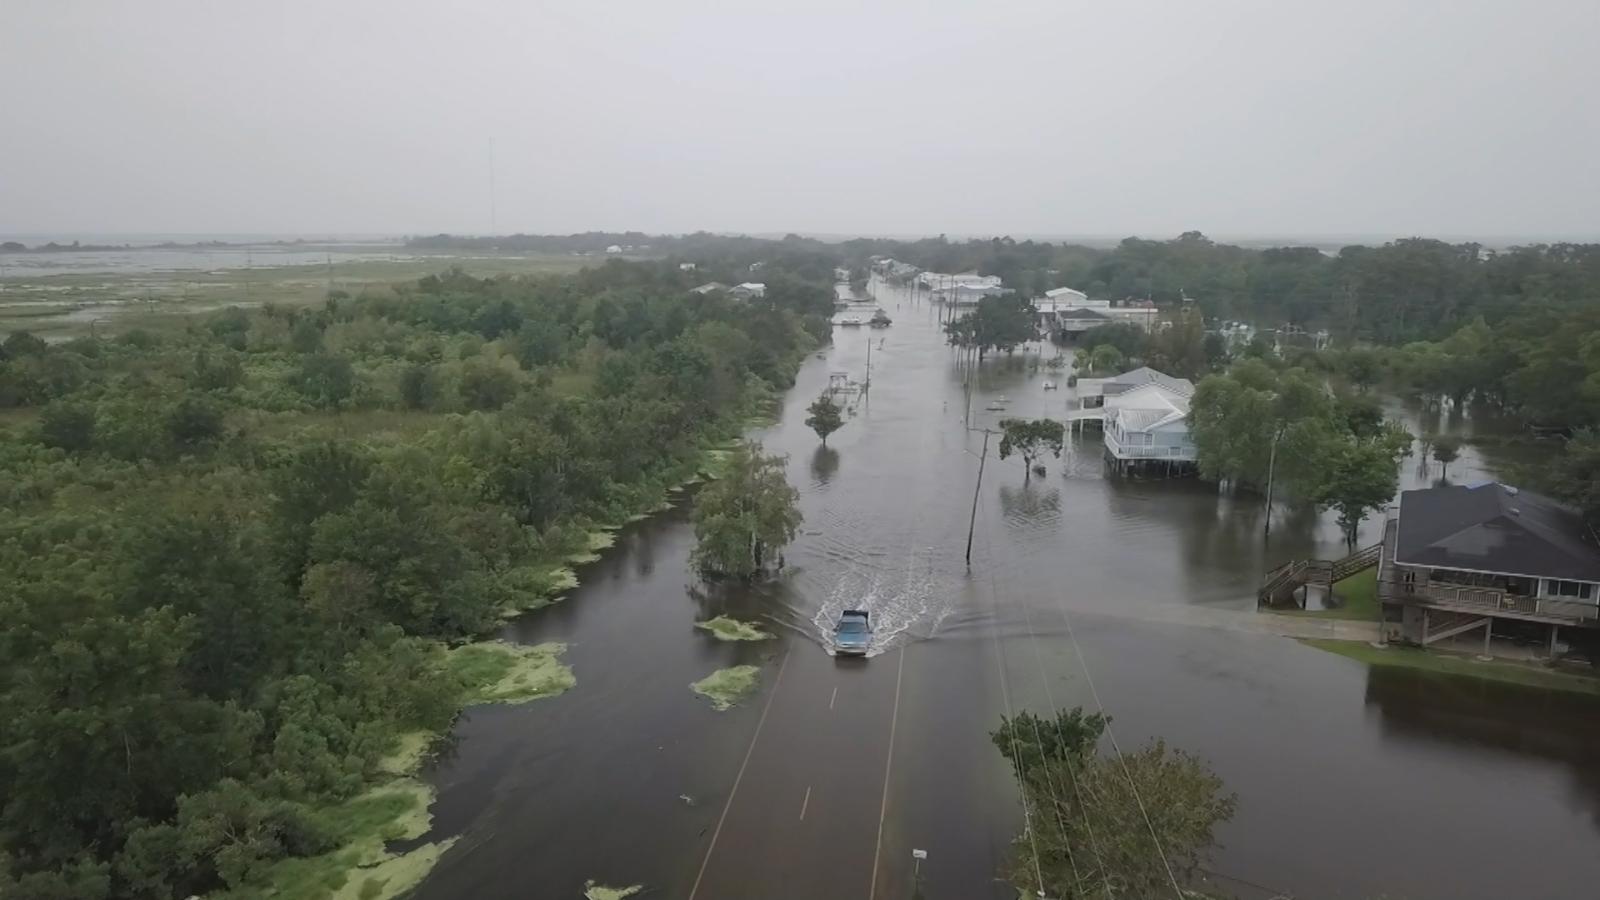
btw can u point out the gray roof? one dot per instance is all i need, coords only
(1144, 375)
(1492, 527)
(1081, 314)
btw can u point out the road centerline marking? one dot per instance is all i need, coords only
(805, 803)
(834, 697)
(888, 766)
(776, 682)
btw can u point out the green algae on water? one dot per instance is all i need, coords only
(498, 672)
(592, 891)
(726, 687)
(728, 629)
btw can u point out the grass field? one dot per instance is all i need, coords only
(1359, 600)
(67, 305)
(1441, 662)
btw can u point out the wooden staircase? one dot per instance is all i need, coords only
(1280, 584)
(1440, 624)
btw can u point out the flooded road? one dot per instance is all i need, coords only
(1351, 784)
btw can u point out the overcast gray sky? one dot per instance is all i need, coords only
(1107, 118)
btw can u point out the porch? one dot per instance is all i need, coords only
(1501, 596)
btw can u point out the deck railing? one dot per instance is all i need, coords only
(1149, 451)
(1467, 597)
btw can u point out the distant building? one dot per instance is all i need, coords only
(685, 267)
(708, 287)
(962, 289)
(748, 290)
(1489, 558)
(1069, 321)
(892, 268)
(1141, 313)
(1074, 298)
(614, 248)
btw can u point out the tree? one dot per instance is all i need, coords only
(1446, 450)
(825, 417)
(1030, 439)
(998, 323)
(485, 385)
(68, 426)
(417, 387)
(1105, 358)
(1092, 817)
(194, 422)
(1181, 349)
(1359, 476)
(22, 343)
(325, 379)
(1129, 339)
(745, 515)
(1238, 417)
(1361, 365)
(1578, 474)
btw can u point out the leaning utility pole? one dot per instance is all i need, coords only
(973, 519)
(1272, 465)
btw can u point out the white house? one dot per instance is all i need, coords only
(1072, 298)
(749, 289)
(1097, 392)
(1142, 315)
(962, 289)
(1149, 424)
(614, 248)
(685, 267)
(708, 287)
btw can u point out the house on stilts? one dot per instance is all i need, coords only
(1145, 419)
(1487, 560)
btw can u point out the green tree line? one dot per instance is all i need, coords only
(232, 555)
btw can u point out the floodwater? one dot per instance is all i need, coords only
(1351, 783)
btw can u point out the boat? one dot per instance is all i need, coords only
(1049, 385)
(998, 404)
(850, 322)
(853, 635)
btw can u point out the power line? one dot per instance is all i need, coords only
(1116, 748)
(1005, 697)
(1077, 875)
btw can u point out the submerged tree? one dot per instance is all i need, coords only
(745, 516)
(998, 323)
(1030, 438)
(1446, 449)
(1360, 475)
(1126, 825)
(825, 417)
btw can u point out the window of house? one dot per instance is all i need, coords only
(1580, 590)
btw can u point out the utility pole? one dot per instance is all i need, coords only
(868, 385)
(972, 520)
(1272, 465)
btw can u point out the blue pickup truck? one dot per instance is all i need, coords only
(853, 635)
